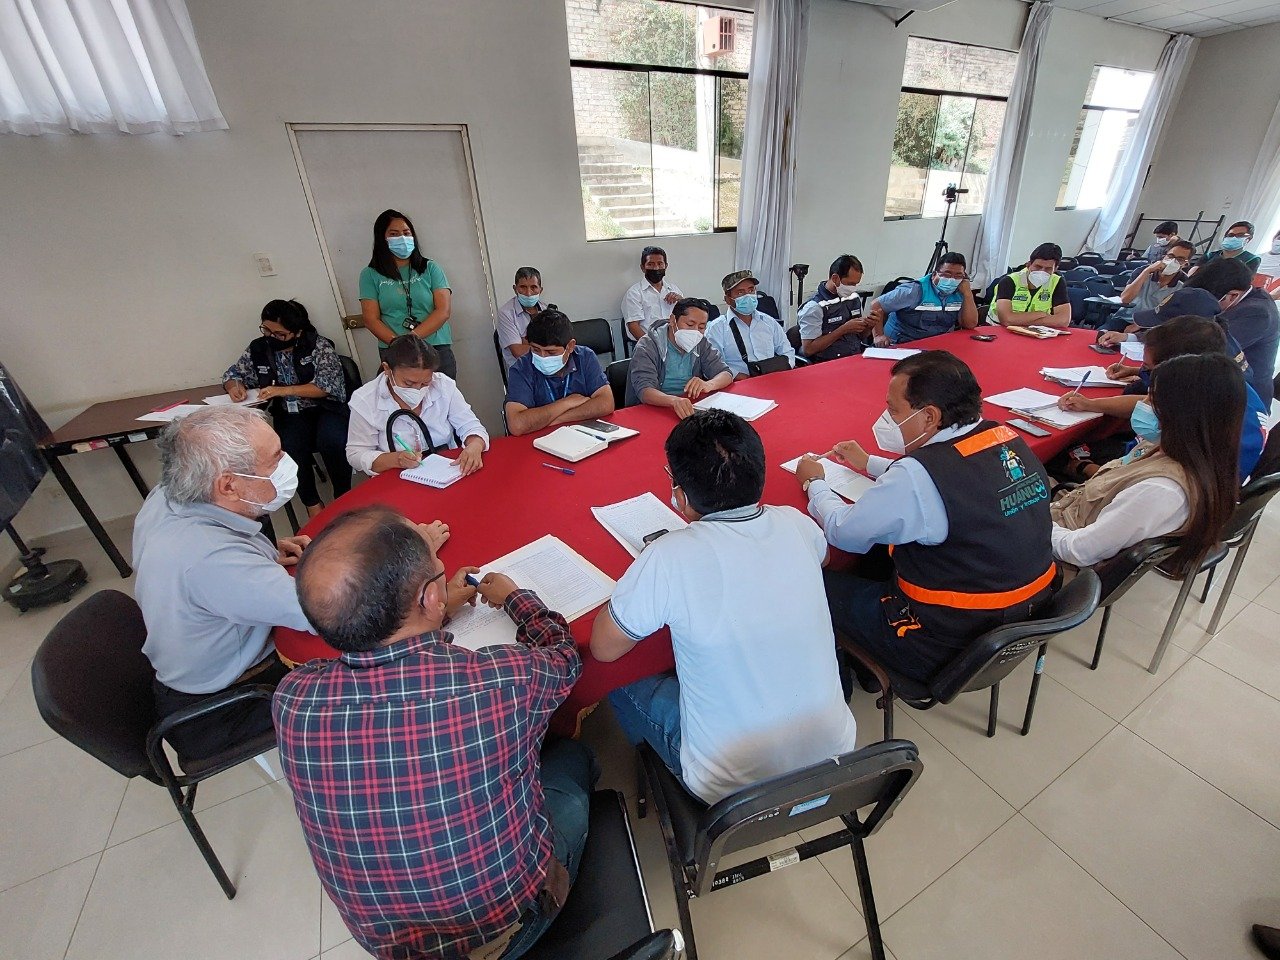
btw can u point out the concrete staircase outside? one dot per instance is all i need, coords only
(624, 191)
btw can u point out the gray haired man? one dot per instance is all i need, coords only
(210, 585)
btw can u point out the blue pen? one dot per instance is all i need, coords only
(1082, 381)
(565, 470)
(473, 579)
(595, 436)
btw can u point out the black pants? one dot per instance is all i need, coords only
(219, 731)
(311, 431)
(448, 362)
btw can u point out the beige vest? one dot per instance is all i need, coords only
(1081, 506)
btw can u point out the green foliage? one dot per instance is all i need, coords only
(600, 226)
(661, 34)
(934, 132)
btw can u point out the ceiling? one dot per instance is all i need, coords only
(1200, 18)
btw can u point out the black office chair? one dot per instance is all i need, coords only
(616, 373)
(895, 283)
(1238, 535)
(1078, 274)
(607, 911)
(698, 837)
(502, 360)
(793, 338)
(1090, 259)
(595, 333)
(92, 685)
(1066, 263)
(988, 659)
(769, 306)
(1108, 268)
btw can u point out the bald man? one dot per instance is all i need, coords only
(438, 821)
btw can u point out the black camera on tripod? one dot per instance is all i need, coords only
(951, 193)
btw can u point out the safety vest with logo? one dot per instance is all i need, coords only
(996, 565)
(1024, 300)
(934, 314)
(836, 311)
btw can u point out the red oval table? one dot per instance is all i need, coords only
(514, 500)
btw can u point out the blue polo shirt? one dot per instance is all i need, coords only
(528, 387)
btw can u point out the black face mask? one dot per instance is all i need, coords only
(654, 276)
(278, 345)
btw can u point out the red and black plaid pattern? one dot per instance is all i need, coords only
(414, 771)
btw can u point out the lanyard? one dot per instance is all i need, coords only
(407, 285)
(563, 393)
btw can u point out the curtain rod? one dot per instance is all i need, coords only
(1141, 26)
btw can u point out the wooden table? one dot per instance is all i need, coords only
(114, 424)
(514, 500)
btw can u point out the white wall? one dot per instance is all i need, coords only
(1216, 130)
(128, 260)
(851, 89)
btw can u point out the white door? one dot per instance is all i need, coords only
(351, 173)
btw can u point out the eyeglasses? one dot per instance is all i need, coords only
(422, 597)
(273, 335)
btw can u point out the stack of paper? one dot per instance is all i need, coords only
(1038, 331)
(562, 578)
(889, 353)
(847, 482)
(434, 471)
(1133, 350)
(748, 408)
(632, 520)
(1070, 376)
(222, 399)
(171, 413)
(1040, 406)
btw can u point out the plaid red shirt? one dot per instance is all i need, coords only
(414, 770)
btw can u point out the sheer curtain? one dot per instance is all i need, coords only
(995, 229)
(769, 151)
(1112, 223)
(102, 66)
(1262, 195)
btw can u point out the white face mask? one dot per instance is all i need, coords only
(844, 290)
(1171, 267)
(413, 396)
(688, 340)
(1038, 278)
(285, 480)
(888, 433)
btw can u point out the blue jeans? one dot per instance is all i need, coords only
(568, 773)
(648, 711)
(856, 612)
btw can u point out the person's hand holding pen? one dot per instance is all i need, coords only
(851, 454)
(407, 457)
(1075, 400)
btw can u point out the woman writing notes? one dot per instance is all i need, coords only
(298, 373)
(411, 409)
(402, 291)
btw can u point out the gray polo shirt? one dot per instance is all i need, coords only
(210, 589)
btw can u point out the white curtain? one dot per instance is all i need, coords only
(780, 39)
(1262, 195)
(995, 229)
(102, 66)
(1109, 229)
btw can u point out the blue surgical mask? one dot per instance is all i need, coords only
(401, 246)
(1233, 243)
(947, 284)
(527, 302)
(1145, 423)
(549, 366)
(746, 303)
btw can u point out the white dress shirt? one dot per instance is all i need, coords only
(1154, 507)
(763, 338)
(444, 411)
(903, 507)
(644, 304)
(513, 321)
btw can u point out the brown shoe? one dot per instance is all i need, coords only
(1267, 940)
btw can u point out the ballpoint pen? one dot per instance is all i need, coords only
(589, 433)
(405, 447)
(1082, 381)
(564, 470)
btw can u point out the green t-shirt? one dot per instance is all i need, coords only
(395, 297)
(677, 371)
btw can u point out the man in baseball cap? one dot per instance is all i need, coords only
(751, 342)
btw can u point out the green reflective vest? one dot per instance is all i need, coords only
(1025, 301)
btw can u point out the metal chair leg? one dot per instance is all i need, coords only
(1208, 582)
(1172, 622)
(1102, 637)
(868, 899)
(1230, 585)
(1035, 689)
(642, 799)
(886, 706)
(993, 710)
(293, 519)
(211, 858)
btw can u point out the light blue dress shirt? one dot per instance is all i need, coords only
(763, 337)
(211, 589)
(904, 506)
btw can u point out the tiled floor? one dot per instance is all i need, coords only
(1139, 819)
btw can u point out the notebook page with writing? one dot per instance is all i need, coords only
(434, 471)
(630, 521)
(843, 480)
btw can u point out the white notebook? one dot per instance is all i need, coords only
(845, 481)
(889, 353)
(562, 578)
(1095, 376)
(571, 444)
(630, 521)
(748, 408)
(434, 471)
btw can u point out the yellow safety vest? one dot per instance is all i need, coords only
(1024, 301)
